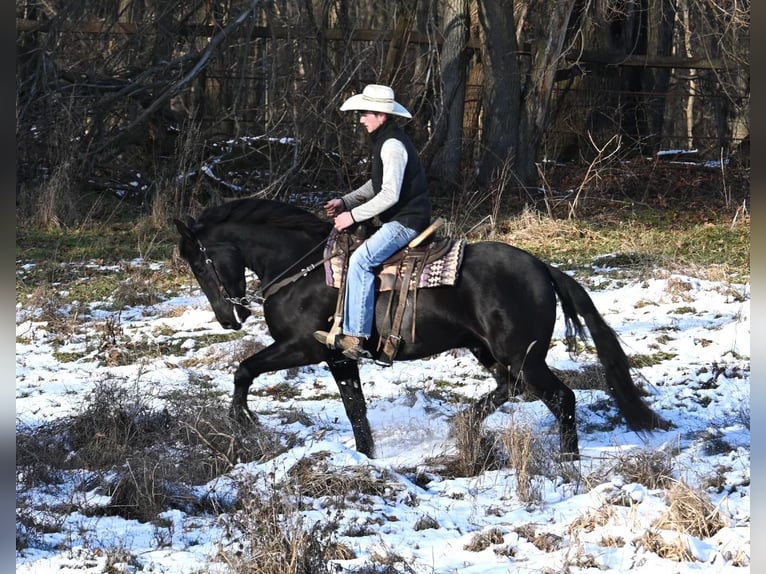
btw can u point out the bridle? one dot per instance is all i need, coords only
(272, 286)
(244, 301)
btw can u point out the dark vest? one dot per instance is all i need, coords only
(413, 209)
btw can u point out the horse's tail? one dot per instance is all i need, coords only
(576, 301)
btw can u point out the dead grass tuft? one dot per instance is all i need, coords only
(678, 290)
(592, 519)
(483, 540)
(135, 291)
(384, 560)
(46, 305)
(534, 227)
(56, 197)
(670, 547)
(269, 535)
(143, 456)
(317, 478)
(529, 455)
(245, 348)
(611, 541)
(506, 550)
(590, 377)
(652, 468)
(520, 447)
(527, 531)
(426, 522)
(139, 491)
(690, 512)
(548, 542)
(477, 448)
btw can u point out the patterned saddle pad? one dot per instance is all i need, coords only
(441, 266)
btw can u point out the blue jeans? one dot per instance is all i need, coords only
(359, 309)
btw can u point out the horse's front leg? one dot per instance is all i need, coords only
(346, 374)
(239, 410)
(275, 357)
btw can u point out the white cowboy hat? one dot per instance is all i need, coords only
(376, 98)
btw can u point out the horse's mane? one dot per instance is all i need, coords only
(252, 210)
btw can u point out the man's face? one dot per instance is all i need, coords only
(371, 120)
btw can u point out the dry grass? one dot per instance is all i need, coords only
(483, 540)
(246, 348)
(642, 245)
(652, 468)
(136, 291)
(592, 519)
(611, 541)
(521, 447)
(384, 560)
(671, 547)
(45, 304)
(143, 455)
(55, 199)
(548, 542)
(531, 227)
(426, 522)
(529, 455)
(589, 377)
(690, 512)
(269, 535)
(477, 448)
(317, 478)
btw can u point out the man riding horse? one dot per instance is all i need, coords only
(396, 193)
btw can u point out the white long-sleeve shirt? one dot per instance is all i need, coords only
(363, 203)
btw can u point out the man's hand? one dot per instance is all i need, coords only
(334, 207)
(344, 220)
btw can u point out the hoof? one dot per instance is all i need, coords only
(243, 416)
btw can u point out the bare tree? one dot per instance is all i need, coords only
(453, 68)
(494, 85)
(502, 91)
(549, 22)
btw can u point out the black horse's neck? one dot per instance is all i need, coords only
(271, 236)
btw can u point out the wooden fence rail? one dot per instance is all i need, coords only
(414, 37)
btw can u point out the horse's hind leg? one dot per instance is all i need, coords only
(560, 399)
(543, 383)
(508, 385)
(346, 374)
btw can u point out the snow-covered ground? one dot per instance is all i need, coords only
(702, 386)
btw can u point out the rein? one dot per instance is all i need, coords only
(278, 282)
(272, 286)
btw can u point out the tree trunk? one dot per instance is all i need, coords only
(453, 74)
(397, 47)
(660, 17)
(502, 91)
(549, 22)
(692, 85)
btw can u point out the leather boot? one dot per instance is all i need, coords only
(352, 347)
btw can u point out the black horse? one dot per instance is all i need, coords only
(502, 308)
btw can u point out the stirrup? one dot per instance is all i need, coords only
(324, 338)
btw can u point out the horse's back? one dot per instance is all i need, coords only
(495, 262)
(503, 294)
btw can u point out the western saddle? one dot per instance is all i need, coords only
(424, 262)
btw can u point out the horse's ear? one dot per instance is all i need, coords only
(185, 229)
